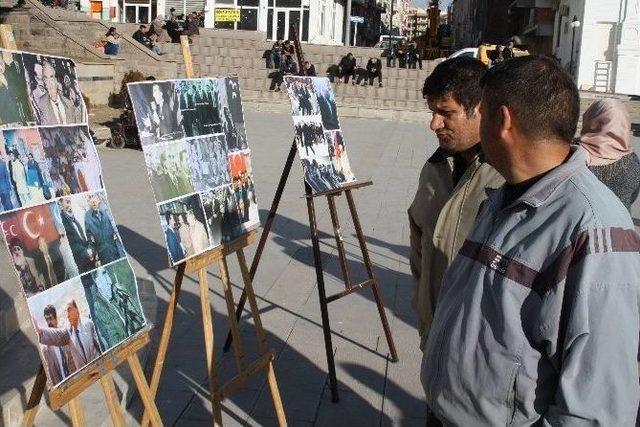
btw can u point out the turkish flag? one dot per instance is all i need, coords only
(28, 225)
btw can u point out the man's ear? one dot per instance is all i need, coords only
(505, 119)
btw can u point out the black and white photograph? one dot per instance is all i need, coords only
(304, 101)
(114, 304)
(319, 174)
(169, 170)
(183, 223)
(74, 166)
(339, 157)
(53, 90)
(15, 104)
(90, 230)
(199, 106)
(223, 217)
(65, 330)
(157, 110)
(208, 162)
(310, 137)
(39, 247)
(231, 113)
(326, 102)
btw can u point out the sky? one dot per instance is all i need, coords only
(423, 3)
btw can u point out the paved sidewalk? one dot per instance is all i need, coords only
(373, 390)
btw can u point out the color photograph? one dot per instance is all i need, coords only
(304, 101)
(243, 187)
(183, 223)
(15, 105)
(114, 303)
(199, 106)
(28, 172)
(37, 243)
(326, 102)
(53, 90)
(74, 166)
(339, 158)
(65, 330)
(157, 110)
(231, 114)
(169, 170)
(223, 216)
(90, 230)
(319, 174)
(310, 137)
(208, 162)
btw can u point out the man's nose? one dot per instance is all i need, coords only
(436, 122)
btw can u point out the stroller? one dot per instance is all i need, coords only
(124, 132)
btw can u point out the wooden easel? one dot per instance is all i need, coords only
(70, 392)
(200, 264)
(317, 254)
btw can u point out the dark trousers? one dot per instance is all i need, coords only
(346, 74)
(276, 79)
(5, 198)
(391, 61)
(373, 75)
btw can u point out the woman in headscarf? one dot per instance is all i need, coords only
(606, 129)
(157, 27)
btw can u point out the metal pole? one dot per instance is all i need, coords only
(355, 35)
(573, 39)
(347, 26)
(391, 31)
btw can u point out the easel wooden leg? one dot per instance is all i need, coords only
(262, 341)
(164, 338)
(34, 399)
(369, 268)
(143, 389)
(322, 295)
(339, 240)
(238, 352)
(265, 234)
(77, 414)
(112, 400)
(209, 345)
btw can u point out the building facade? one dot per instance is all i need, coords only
(606, 43)
(417, 22)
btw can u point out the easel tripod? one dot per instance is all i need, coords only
(317, 255)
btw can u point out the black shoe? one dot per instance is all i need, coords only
(380, 85)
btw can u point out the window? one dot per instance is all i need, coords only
(248, 19)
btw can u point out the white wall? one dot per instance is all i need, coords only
(334, 17)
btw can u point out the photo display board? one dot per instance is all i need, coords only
(321, 145)
(62, 238)
(199, 163)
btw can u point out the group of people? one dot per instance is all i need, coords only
(405, 54)
(524, 256)
(185, 229)
(348, 69)
(304, 100)
(320, 175)
(309, 135)
(245, 195)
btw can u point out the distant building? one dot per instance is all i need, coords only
(606, 46)
(533, 22)
(368, 33)
(417, 22)
(479, 21)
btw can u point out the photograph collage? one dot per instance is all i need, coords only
(198, 160)
(58, 227)
(320, 142)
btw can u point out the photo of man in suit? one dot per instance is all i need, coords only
(5, 184)
(13, 92)
(101, 232)
(157, 110)
(173, 241)
(52, 106)
(60, 363)
(82, 249)
(169, 170)
(79, 336)
(327, 103)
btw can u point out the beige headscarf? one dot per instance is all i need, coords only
(605, 134)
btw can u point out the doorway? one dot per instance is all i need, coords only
(137, 13)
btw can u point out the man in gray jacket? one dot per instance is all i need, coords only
(538, 317)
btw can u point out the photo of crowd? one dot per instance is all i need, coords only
(302, 93)
(157, 110)
(231, 114)
(319, 139)
(223, 217)
(53, 90)
(183, 223)
(310, 137)
(169, 170)
(208, 162)
(62, 239)
(202, 181)
(199, 106)
(13, 92)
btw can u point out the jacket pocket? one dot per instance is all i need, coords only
(512, 397)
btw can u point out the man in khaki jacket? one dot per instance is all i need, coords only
(452, 182)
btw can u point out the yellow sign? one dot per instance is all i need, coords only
(227, 15)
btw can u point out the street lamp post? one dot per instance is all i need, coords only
(574, 25)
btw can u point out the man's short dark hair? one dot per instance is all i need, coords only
(459, 78)
(142, 27)
(50, 310)
(542, 97)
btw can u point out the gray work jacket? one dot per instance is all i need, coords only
(538, 317)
